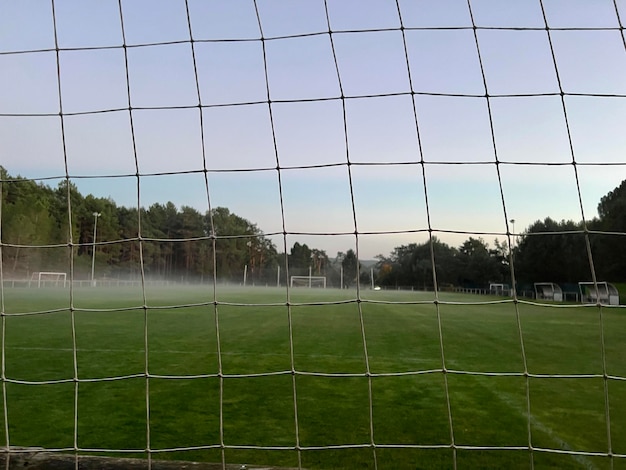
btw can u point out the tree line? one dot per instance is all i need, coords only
(562, 252)
(39, 233)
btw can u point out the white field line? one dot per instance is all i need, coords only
(121, 350)
(213, 353)
(506, 399)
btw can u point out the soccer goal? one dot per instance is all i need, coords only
(548, 291)
(499, 289)
(48, 279)
(308, 281)
(599, 292)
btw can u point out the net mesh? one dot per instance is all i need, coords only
(356, 99)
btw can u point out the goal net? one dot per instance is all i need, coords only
(197, 158)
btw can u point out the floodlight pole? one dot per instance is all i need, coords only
(513, 237)
(93, 250)
(341, 276)
(245, 268)
(513, 254)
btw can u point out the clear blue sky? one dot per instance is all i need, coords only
(452, 128)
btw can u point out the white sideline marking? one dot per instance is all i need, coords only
(224, 353)
(173, 351)
(169, 351)
(581, 459)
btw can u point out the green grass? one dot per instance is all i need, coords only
(112, 330)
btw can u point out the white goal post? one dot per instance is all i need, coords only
(308, 281)
(44, 279)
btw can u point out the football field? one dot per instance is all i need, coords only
(391, 380)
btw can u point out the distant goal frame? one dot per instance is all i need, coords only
(308, 282)
(39, 278)
(499, 289)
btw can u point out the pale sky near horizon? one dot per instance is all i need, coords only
(387, 185)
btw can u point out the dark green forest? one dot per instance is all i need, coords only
(548, 250)
(163, 241)
(40, 234)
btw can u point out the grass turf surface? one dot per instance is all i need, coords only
(183, 392)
